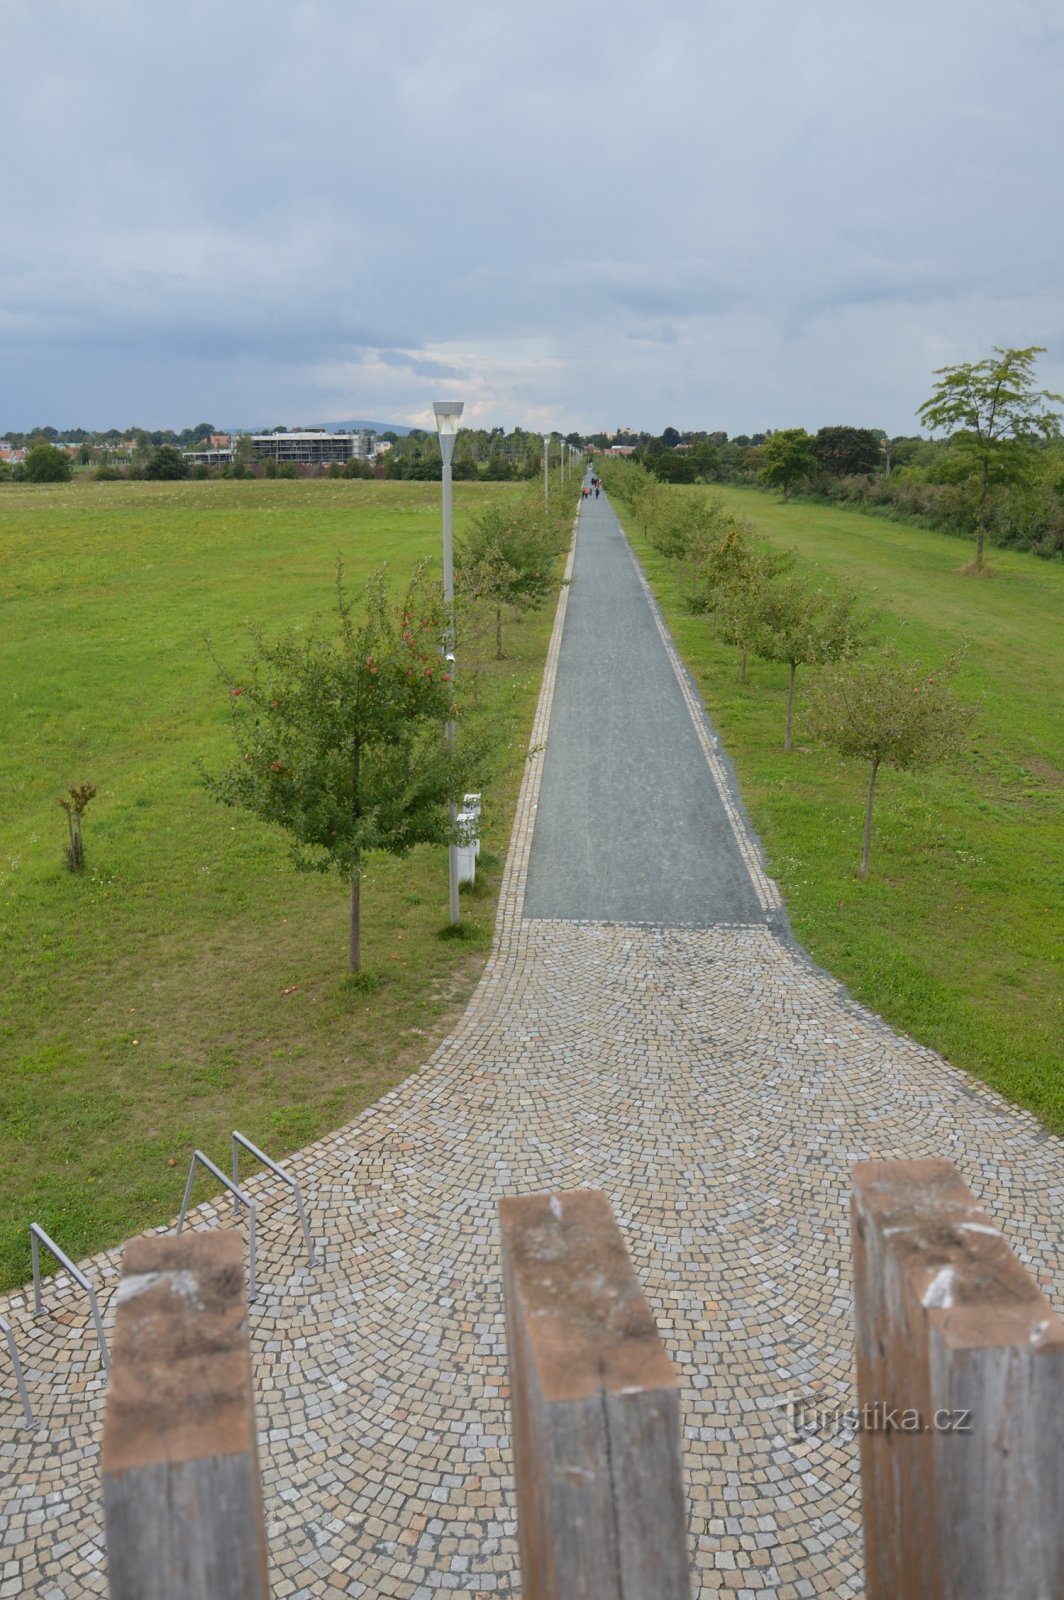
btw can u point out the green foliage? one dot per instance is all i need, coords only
(75, 803)
(340, 737)
(846, 451)
(786, 458)
(43, 463)
(994, 416)
(890, 713)
(165, 463)
(508, 558)
(786, 618)
(735, 604)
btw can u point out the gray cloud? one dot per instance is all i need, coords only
(745, 214)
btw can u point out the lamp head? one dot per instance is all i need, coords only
(447, 415)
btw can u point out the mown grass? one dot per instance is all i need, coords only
(190, 982)
(956, 936)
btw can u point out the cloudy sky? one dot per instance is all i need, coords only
(746, 214)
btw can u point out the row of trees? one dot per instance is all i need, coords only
(481, 454)
(340, 731)
(995, 469)
(111, 438)
(866, 703)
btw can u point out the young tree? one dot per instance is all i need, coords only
(787, 457)
(737, 601)
(890, 714)
(75, 803)
(341, 737)
(995, 416)
(507, 558)
(800, 625)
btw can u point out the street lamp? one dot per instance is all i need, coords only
(447, 415)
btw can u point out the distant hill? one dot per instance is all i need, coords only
(352, 425)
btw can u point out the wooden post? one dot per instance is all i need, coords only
(596, 1418)
(182, 1496)
(960, 1378)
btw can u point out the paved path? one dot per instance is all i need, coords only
(631, 826)
(718, 1087)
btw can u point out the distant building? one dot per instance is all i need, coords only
(208, 458)
(310, 448)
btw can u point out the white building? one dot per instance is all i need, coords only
(310, 448)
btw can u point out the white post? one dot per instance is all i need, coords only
(447, 415)
(546, 467)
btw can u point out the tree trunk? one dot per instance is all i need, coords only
(868, 818)
(498, 633)
(355, 947)
(790, 708)
(980, 531)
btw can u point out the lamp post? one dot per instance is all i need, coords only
(546, 467)
(447, 415)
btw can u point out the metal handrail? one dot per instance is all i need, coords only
(39, 1237)
(197, 1155)
(5, 1329)
(240, 1139)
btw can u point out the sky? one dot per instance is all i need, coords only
(736, 214)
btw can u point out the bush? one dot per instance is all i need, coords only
(165, 463)
(45, 464)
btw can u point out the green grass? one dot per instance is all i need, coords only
(956, 936)
(190, 981)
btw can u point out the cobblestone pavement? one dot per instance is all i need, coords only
(718, 1087)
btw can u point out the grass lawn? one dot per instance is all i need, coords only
(190, 981)
(957, 935)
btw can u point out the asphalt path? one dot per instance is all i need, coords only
(630, 825)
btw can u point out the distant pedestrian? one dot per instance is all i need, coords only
(596, 489)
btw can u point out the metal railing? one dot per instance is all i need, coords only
(5, 1329)
(238, 1195)
(240, 1141)
(39, 1237)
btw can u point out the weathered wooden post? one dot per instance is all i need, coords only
(960, 1377)
(596, 1418)
(181, 1486)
